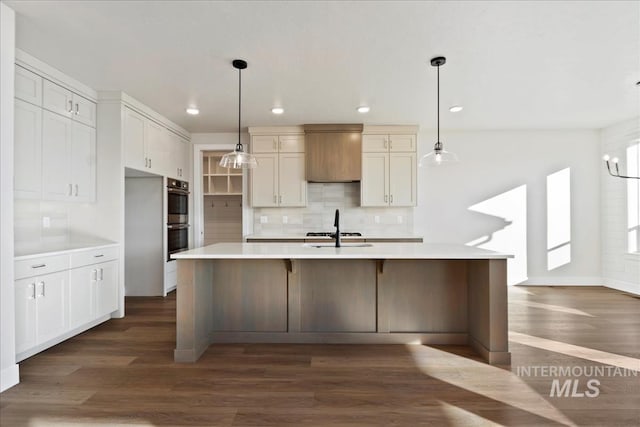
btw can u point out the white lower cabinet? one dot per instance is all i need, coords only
(41, 303)
(93, 292)
(61, 295)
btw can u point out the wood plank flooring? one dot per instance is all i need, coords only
(121, 373)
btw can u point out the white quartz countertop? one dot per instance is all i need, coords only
(307, 251)
(28, 250)
(344, 238)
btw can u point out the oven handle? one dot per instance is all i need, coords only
(178, 226)
(175, 190)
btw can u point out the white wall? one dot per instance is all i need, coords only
(620, 268)
(9, 374)
(497, 197)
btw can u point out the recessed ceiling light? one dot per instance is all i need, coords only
(455, 108)
(277, 110)
(193, 111)
(363, 109)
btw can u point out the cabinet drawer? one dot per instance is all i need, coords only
(41, 265)
(93, 256)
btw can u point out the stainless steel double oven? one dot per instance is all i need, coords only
(177, 216)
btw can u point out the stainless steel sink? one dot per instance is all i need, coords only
(343, 245)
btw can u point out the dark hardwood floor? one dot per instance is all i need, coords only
(122, 373)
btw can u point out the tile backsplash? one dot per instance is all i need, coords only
(322, 201)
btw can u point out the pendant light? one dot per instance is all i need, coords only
(439, 155)
(238, 159)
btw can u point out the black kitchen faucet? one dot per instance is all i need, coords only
(336, 224)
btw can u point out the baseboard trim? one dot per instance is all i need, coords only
(629, 287)
(564, 281)
(9, 377)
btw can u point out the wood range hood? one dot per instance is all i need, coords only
(333, 152)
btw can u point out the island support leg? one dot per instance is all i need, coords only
(488, 314)
(193, 309)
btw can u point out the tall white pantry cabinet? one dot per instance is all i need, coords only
(55, 141)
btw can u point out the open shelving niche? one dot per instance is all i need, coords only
(217, 180)
(222, 200)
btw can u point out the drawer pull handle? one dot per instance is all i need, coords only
(98, 256)
(39, 266)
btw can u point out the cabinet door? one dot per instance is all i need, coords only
(106, 292)
(134, 130)
(402, 143)
(27, 150)
(28, 86)
(25, 297)
(264, 181)
(156, 142)
(374, 186)
(82, 282)
(375, 143)
(56, 146)
(83, 162)
(176, 164)
(264, 144)
(51, 302)
(291, 180)
(291, 144)
(84, 110)
(57, 99)
(402, 179)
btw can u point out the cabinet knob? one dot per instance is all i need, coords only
(70, 189)
(77, 109)
(76, 190)
(32, 295)
(391, 198)
(70, 110)
(386, 198)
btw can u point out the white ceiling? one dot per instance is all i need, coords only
(512, 65)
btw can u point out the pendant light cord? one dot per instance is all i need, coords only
(438, 110)
(239, 146)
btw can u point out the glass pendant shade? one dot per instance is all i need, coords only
(238, 159)
(437, 157)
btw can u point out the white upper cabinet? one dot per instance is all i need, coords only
(134, 150)
(68, 159)
(150, 147)
(27, 150)
(28, 86)
(177, 161)
(388, 169)
(388, 143)
(60, 100)
(279, 179)
(264, 181)
(55, 141)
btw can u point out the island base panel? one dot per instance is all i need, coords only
(343, 301)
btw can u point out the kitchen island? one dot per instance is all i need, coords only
(393, 293)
